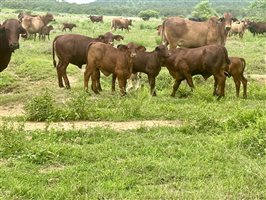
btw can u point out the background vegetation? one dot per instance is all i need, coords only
(217, 153)
(243, 8)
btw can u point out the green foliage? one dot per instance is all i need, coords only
(257, 10)
(204, 10)
(41, 108)
(147, 14)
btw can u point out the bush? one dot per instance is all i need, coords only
(147, 14)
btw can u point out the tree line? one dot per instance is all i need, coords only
(239, 8)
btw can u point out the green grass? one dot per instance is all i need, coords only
(218, 152)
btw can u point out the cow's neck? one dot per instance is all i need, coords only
(45, 19)
(3, 43)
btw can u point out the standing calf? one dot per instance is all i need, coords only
(207, 61)
(108, 60)
(46, 31)
(236, 69)
(69, 26)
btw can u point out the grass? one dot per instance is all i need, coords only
(218, 153)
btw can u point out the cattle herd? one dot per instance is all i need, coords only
(196, 46)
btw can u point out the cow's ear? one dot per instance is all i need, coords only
(122, 47)
(234, 19)
(101, 37)
(141, 48)
(221, 19)
(118, 37)
(22, 30)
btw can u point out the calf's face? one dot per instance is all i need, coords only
(12, 28)
(162, 51)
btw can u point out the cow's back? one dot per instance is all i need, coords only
(72, 47)
(32, 24)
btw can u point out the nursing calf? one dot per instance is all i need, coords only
(236, 70)
(207, 61)
(150, 63)
(109, 60)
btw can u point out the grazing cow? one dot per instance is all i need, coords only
(34, 25)
(96, 18)
(70, 26)
(9, 40)
(121, 23)
(109, 60)
(236, 70)
(207, 60)
(238, 28)
(186, 33)
(46, 31)
(150, 64)
(71, 48)
(257, 27)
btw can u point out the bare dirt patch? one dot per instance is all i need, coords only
(83, 125)
(12, 110)
(51, 168)
(261, 78)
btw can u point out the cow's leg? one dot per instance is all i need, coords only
(59, 74)
(244, 82)
(95, 77)
(64, 74)
(215, 86)
(152, 85)
(221, 84)
(237, 84)
(98, 83)
(87, 74)
(122, 85)
(189, 80)
(113, 82)
(175, 87)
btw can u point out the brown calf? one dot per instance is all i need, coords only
(207, 60)
(236, 70)
(108, 60)
(70, 26)
(46, 31)
(71, 48)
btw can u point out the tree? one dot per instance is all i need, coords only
(257, 9)
(147, 14)
(204, 10)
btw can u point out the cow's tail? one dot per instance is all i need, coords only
(163, 37)
(244, 63)
(54, 61)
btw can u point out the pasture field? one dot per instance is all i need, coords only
(217, 150)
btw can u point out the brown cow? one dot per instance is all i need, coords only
(46, 31)
(236, 70)
(121, 23)
(207, 60)
(34, 25)
(109, 60)
(70, 26)
(94, 18)
(9, 40)
(23, 14)
(109, 38)
(186, 33)
(150, 64)
(257, 27)
(71, 48)
(238, 28)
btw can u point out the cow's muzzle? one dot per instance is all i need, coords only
(227, 28)
(14, 46)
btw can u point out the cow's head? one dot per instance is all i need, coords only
(130, 22)
(129, 49)
(109, 38)
(162, 51)
(227, 20)
(48, 18)
(12, 29)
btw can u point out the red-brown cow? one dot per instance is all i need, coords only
(121, 23)
(236, 70)
(9, 40)
(181, 32)
(109, 60)
(207, 60)
(70, 26)
(71, 48)
(94, 18)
